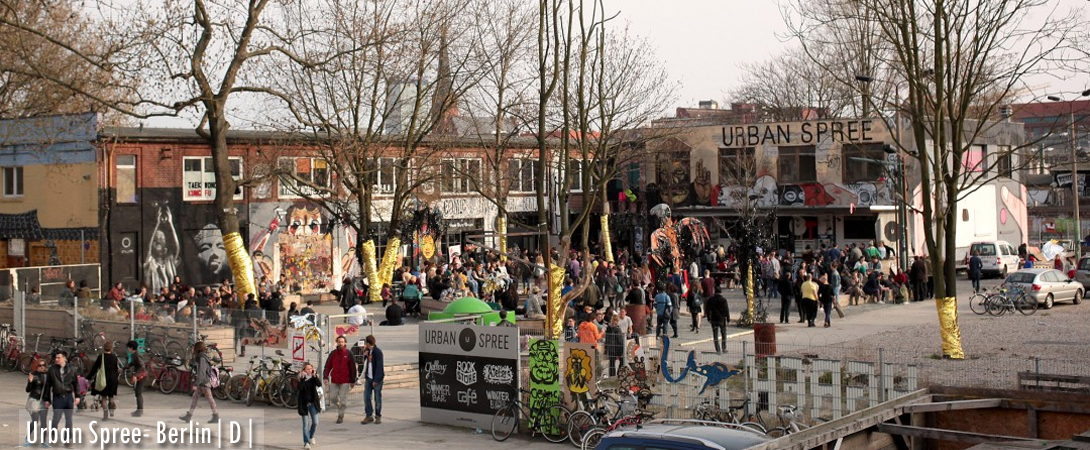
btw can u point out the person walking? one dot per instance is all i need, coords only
(809, 290)
(200, 370)
(308, 406)
(614, 344)
(787, 296)
(374, 374)
(826, 296)
(340, 373)
(106, 362)
(35, 385)
(718, 317)
(139, 377)
(975, 269)
(662, 309)
(60, 391)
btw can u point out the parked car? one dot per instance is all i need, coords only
(1082, 272)
(998, 258)
(1047, 286)
(680, 435)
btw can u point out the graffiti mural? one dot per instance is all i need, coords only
(713, 373)
(579, 376)
(161, 263)
(1013, 216)
(306, 249)
(544, 375)
(768, 193)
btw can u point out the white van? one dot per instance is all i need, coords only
(998, 257)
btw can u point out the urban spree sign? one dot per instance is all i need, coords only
(798, 133)
(467, 372)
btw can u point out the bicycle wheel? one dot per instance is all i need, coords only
(554, 425)
(13, 360)
(995, 305)
(26, 362)
(156, 347)
(174, 348)
(251, 393)
(579, 423)
(777, 432)
(505, 422)
(976, 303)
(592, 438)
(286, 391)
(168, 380)
(754, 426)
(1028, 305)
(272, 390)
(220, 392)
(234, 387)
(127, 375)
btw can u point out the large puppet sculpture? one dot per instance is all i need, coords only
(675, 245)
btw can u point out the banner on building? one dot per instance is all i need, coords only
(467, 372)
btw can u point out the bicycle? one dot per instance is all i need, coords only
(978, 302)
(600, 414)
(786, 415)
(259, 383)
(1011, 300)
(163, 344)
(712, 412)
(592, 437)
(28, 360)
(168, 376)
(13, 349)
(550, 424)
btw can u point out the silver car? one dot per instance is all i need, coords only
(1047, 286)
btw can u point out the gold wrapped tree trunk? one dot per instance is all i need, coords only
(241, 265)
(375, 291)
(749, 295)
(555, 327)
(607, 243)
(501, 228)
(389, 261)
(948, 327)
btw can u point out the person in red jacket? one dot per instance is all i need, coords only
(340, 374)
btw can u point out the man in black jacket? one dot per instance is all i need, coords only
(718, 315)
(60, 389)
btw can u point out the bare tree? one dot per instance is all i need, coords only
(961, 62)
(380, 114)
(789, 87)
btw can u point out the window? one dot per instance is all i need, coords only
(126, 179)
(13, 182)
(974, 159)
(459, 174)
(1004, 161)
(736, 165)
(523, 173)
(575, 174)
(863, 162)
(311, 170)
(797, 164)
(199, 177)
(386, 176)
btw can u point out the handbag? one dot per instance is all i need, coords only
(100, 376)
(320, 398)
(33, 405)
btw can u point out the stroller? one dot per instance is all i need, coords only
(84, 389)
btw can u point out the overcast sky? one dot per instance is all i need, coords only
(704, 42)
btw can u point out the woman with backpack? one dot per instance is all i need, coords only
(309, 403)
(200, 369)
(104, 379)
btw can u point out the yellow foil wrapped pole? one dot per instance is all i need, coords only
(948, 327)
(375, 291)
(554, 304)
(501, 228)
(241, 264)
(389, 261)
(607, 243)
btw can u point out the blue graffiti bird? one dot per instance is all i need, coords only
(714, 373)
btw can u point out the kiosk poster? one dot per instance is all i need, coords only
(544, 374)
(577, 371)
(467, 372)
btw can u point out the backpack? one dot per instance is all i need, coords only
(213, 376)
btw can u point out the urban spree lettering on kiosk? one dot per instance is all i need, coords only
(807, 133)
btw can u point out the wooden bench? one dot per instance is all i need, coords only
(1033, 381)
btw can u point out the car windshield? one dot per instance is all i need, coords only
(1021, 277)
(985, 249)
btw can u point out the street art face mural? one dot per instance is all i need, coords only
(161, 264)
(211, 254)
(306, 249)
(768, 193)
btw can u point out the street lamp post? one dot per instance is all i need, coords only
(1074, 172)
